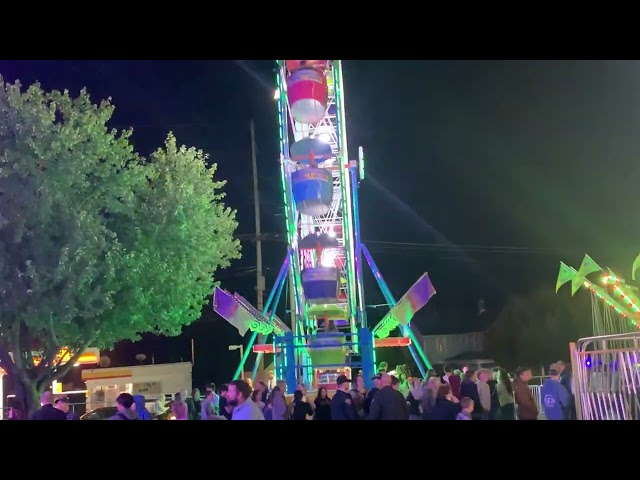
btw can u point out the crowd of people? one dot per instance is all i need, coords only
(456, 394)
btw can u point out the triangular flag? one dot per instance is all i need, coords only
(636, 266)
(588, 266)
(566, 273)
(576, 283)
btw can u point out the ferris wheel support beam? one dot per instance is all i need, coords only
(345, 184)
(283, 282)
(361, 312)
(282, 275)
(416, 350)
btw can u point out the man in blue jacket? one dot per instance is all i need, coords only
(555, 397)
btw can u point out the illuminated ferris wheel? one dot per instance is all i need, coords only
(328, 333)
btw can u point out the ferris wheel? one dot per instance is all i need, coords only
(328, 333)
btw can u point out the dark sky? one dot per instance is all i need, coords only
(478, 156)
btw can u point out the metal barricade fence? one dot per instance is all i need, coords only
(536, 391)
(607, 377)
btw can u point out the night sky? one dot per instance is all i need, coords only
(484, 173)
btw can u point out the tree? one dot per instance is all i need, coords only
(536, 329)
(97, 244)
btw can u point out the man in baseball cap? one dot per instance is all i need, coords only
(377, 382)
(555, 397)
(341, 405)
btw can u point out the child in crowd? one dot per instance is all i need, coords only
(466, 405)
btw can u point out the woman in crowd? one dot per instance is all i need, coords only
(428, 398)
(504, 389)
(404, 375)
(256, 396)
(323, 405)
(300, 408)
(279, 409)
(446, 406)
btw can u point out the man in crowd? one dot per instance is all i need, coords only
(527, 408)
(556, 400)
(47, 411)
(567, 382)
(271, 380)
(62, 404)
(206, 408)
(389, 403)
(342, 407)
(193, 404)
(124, 403)
(224, 408)
(377, 385)
(239, 397)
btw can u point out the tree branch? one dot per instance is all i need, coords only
(51, 349)
(52, 331)
(17, 356)
(29, 341)
(61, 371)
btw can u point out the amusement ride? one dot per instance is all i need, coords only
(328, 333)
(606, 366)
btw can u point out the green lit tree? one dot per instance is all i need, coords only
(536, 329)
(97, 244)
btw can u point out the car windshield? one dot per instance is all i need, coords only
(100, 414)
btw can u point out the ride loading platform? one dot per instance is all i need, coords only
(327, 355)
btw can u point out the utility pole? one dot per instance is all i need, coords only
(260, 283)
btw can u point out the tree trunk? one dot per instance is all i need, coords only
(27, 396)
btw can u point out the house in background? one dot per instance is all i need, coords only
(447, 335)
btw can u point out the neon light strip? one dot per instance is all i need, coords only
(345, 185)
(608, 300)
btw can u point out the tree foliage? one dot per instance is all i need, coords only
(536, 329)
(97, 244)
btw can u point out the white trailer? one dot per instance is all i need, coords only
(153, 381)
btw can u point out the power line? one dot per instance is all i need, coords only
(166, 125)
(420, 249)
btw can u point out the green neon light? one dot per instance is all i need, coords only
(345, 187)
(290, 212)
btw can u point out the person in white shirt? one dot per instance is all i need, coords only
(484, 392)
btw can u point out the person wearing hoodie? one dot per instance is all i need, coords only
(125, 411)
(555, 397)
(139, 405)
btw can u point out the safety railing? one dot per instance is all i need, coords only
(607, 377)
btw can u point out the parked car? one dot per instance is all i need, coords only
(105, 413)
(102, 413)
